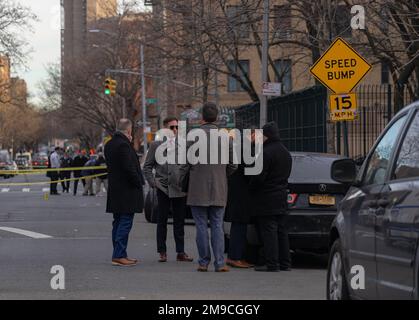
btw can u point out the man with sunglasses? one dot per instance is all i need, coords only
(169, 194)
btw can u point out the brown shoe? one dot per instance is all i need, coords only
(163, 257)
(223, 269)
(133, 260)
(249, 265)
(183, 257)
(123, 262)
(237, 264)
(202, 269)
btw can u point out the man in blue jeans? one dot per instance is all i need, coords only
(207, 196)
(125, 190)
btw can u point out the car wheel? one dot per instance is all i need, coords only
(337, 287)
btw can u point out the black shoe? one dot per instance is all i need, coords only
(285, 268)
(266, 269)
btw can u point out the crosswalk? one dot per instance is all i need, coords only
(25, 190)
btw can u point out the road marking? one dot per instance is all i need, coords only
(45, 190)
(27, 233)
(26, 190)
(5, 190)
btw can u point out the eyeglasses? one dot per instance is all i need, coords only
(174, 127)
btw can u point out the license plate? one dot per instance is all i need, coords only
(322, 200)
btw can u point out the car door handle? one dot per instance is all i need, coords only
(383, 203)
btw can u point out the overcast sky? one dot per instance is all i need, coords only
(44, 41)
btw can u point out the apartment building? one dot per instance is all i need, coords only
(76, 15)
(290, 61)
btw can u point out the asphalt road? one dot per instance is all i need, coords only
(80, 241)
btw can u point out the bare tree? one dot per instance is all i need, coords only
(14, 20)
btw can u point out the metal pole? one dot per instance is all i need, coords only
(124, 108)
(143, 92)
(265, 49)
(345, 139)
(217, 96)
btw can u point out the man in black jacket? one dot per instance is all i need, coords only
(78, 162)
(125, 193)
(269, 198)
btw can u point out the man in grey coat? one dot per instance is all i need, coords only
(207, 196)
(169, 193)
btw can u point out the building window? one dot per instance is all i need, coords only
(282, 21)
(385, 73)
(343, 21)
(284, 70)
(233, 84)
(237, 22)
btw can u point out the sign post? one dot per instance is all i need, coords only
(341, 69)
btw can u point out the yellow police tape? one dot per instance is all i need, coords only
(49, 182)
(38, 171)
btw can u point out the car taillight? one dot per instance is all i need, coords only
(292, 198)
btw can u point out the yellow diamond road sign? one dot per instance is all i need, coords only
(340, 68)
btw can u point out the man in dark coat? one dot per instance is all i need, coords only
(238, 213)
(269, 199)
(78, 162)
(125, 193)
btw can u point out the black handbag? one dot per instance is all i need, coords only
(151, 208)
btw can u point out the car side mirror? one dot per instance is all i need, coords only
(344, 171)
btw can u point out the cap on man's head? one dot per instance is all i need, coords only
(271, 130)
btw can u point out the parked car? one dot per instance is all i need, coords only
(22, 163)
(377, 225)
(312, 201)
(24, 160)
(8, 165)
(40, 160)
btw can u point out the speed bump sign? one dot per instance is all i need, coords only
(340, 68)
(342, 107)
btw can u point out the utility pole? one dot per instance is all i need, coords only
(143, 93)
(265, 49)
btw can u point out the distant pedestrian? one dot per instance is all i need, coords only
(55, 163)
(169, 193)
(78, 162)
(66, 162)
(207, 196)
(87, 173)
(269, 201)
(102, 180)
(125, 189)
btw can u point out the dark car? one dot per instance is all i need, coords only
(374, 238)
(313, 197)
(40, 161)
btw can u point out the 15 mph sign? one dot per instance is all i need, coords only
(340, 68)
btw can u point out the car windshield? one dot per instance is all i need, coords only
(4, 157)
(304, 165)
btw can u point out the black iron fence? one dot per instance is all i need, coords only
(302, 118)
(376, 107)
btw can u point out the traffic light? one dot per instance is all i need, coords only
(110, 87)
